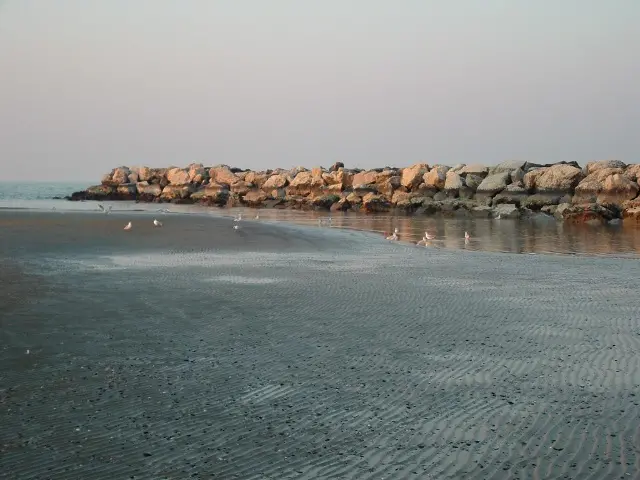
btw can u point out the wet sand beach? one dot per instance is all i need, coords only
(285, 351)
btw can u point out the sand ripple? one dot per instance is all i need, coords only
(363, 360)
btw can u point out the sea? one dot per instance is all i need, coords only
(539, 234)
(303, 345)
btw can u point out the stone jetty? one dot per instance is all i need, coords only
(600, 191)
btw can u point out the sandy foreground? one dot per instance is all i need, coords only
(281, 351)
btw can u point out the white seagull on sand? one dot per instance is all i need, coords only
(128, 226)
(395, 235)
(157, 223)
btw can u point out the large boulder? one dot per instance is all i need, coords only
(632, 172)
(197, 173)
(305, 183)
(473, 181)
(617, 189)
(412, 176)
(557, 178)
(341, 178)
(147, 189)
(435, 178)
(145, 174)
(593, 167)
(372, 203)
(241, 187)
(453, 183)
(176, 192)
(387, 186)
(213, 195)
(255, 198)
(178, 176)
(493, 184)
(474, 169)
(508, 166)
(538, 201)
(256, 178)
(223, 174)
(588, 189)
(365, 178)
(513, 193)
(120, 175)
(99, 192)
(275, 181)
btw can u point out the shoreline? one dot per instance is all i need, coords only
(600, 192)
(524, 236)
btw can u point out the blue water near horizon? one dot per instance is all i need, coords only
(38, 190)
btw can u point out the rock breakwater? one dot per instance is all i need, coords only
(601, 191)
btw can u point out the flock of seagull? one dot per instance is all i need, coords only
(156, 223)
(428, 237)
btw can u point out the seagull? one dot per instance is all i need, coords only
(236, 227)
(105, 210)
(498, 217)
(466, 236)
(238, 218)
(157, 223)
(257, 216)
(163, 210)
(128, 226)
(395, 235)
(28, 351)
(428, 236)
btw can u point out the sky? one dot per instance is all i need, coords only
(89, 85)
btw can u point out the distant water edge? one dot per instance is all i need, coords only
(38, 190)
(540, 234)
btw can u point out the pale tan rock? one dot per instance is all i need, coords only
(474, 169)
(617, 189)
(453, 181)
(241, 188)
(255, 197)
(557, 178)
(120, 175)
(149, 189)
(178, 176)
(632, 172)
(144, 174)
(412, 176)
(388, 185)
(275, 181)
(589, 188)
(197, 173)
(436, 177)
(593, 167)
(172, 192)
(365, 178)
(256, 178)
(223, 174)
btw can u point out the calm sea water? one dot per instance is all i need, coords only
(540, 234)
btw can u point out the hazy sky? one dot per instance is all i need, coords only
(86, 85)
